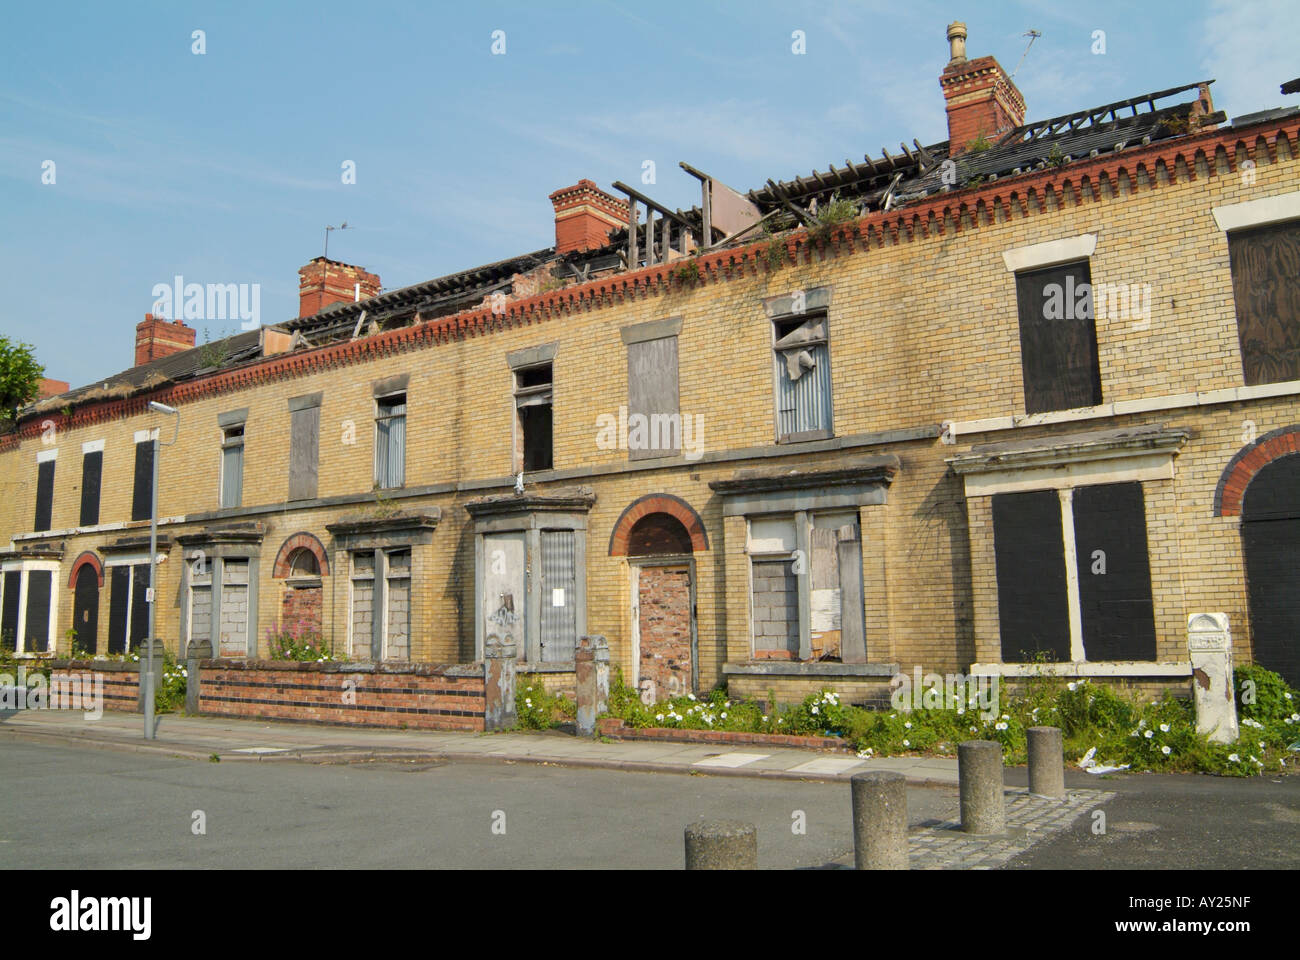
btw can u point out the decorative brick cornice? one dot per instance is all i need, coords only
(1246, 465)
(1116, 174)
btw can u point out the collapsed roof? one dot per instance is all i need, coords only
(857, 188)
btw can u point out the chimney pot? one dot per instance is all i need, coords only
(957, 42)
(981, 100)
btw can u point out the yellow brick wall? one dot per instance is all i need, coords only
(921, 331)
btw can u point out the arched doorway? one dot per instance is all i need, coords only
(1270, 534)
(85, 608)
(659, 553)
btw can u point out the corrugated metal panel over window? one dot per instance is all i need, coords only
(559, 583)
(232, 475)
(390, 443)
(805, 404)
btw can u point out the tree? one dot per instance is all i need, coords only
(20, 377)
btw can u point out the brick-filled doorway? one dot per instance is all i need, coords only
(663, 607)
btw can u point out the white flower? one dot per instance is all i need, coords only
(1287, 695)
(1165, 751)
(659, 716)
(960, 711)
(1071, 686)
(1261, 745)
(999, 726)
(765, 719)
(814, 710)
(972, 729)
(724, 715)
(1234, 758)
(1005, 717)
(906, 743)
(1295, 716)
(690, 696)
(1149, 734)
(1164, 728)
(907, 725)
(528, 700)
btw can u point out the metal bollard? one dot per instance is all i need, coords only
(979, 773)
(1046, 762)
(721, 845)
(879, 820)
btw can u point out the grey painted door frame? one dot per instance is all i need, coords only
(634, 568)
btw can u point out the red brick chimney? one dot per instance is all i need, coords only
(981, 99)
(52, 388)
(323, 282)
(157, 337)
(584, 216)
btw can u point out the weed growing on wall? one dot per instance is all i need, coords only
(298, 642)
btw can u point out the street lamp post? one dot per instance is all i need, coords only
(148, 686)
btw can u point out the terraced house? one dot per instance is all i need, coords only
(1030, 394)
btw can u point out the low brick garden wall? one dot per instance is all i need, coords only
(121, 679)
(616, 729)
(401, 695)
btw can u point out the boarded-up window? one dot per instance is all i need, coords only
(119, 608)
(390, 441)
(44, 495)
(37, 622)
(139, 603)
(232, 467)
(128, 606)
(232, 639)
(654, 426)
(13, 585)
(1033, 605)
(533, 400)
(304, 452)
(1058, 338)
(397, 605)
(835, 586)
(1266, 287)
(1110, 536)
(802, 362)
(776, 609)
(201, 602)
(559, 596)
(142, 492)
(363, 604)
(92, 467)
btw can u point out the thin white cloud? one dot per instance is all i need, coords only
(1249, 50)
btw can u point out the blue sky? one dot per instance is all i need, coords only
(225, 167)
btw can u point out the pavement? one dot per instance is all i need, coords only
(279, 740)
(301, 795)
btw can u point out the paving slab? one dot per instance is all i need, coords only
(264, 741)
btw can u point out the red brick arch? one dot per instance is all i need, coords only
(657, 503)
(1247, 463)
(81, 561)
(294, 543)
